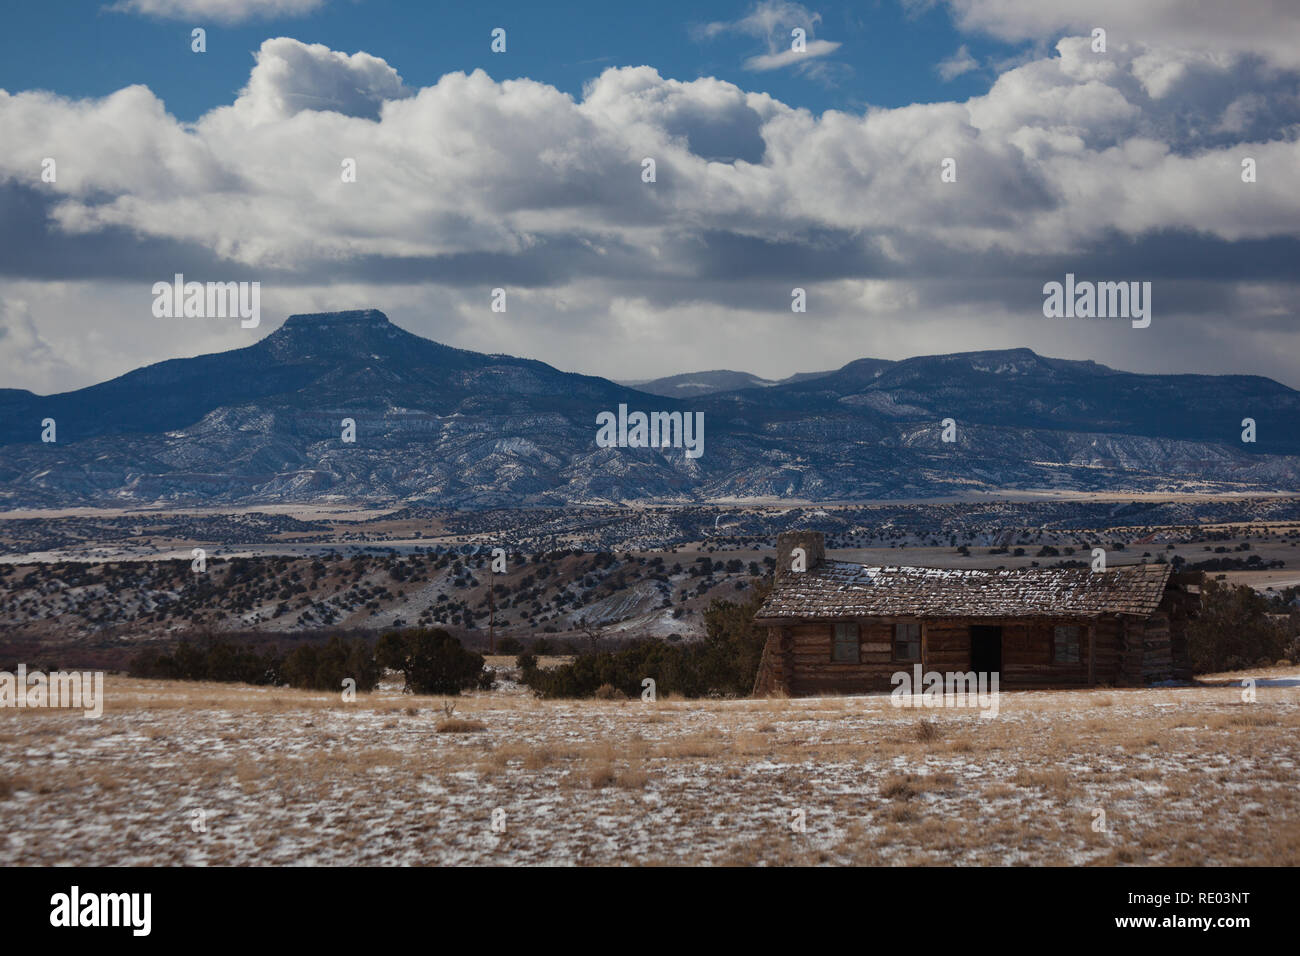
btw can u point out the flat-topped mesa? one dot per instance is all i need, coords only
(355, 332)
(358, 317)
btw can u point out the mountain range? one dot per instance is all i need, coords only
(455, 428)
(694, 384)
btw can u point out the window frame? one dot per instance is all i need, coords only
(1058, 643)
(895, 642)
(837, 642)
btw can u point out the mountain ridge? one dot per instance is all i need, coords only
(695, 384)
(467, 429)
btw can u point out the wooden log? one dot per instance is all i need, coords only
(1092, 654)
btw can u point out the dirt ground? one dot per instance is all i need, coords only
(177, 773)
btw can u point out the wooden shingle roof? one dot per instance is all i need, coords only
(839, 589)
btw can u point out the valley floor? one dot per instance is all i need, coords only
(177, 773)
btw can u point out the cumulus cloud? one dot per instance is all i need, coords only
(1268, 28)
(1056, 155)
(218, 11)
(291, 77)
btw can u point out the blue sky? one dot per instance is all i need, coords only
(889, 53)
(776, 171)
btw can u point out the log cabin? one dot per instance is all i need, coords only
(838, 627)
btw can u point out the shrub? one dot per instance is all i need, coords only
(390, 651)
(210, 659)
(325, 667)
(724, 663)
(432, 661)
(1233, 630)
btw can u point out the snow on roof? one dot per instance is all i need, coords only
(840, 589)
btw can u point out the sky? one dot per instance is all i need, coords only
(820, 168)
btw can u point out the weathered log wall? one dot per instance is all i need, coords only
(798, 658)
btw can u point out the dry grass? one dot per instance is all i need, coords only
(900, 788)
(1053, 781)
(457, 725)
(8, 784)
(1186, 776)
(1243, 718)
(927, 731)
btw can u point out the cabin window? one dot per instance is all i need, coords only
(1066, 644)
(907, 641)
(846, 642)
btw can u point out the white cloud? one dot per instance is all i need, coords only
(767, 20)
(474, 165)
(783, 58)
(218, 11)
(1269, 28)
(773, 21)
(291, 77)
(958, 64)
(23, 347)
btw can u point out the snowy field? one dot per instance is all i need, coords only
(177, 773)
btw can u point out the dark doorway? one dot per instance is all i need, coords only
(985, 649)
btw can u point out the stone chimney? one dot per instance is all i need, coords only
(813, 544)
